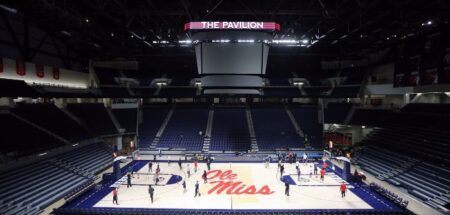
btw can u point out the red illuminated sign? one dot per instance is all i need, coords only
(269, 26)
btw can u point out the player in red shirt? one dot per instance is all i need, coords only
(343, 188)
(322, 174)
(195, 166)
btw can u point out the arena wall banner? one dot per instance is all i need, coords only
(20, 68)
(40, 70)
(41, 74)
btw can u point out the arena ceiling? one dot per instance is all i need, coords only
(108, 29)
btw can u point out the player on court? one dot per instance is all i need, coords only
(197, 189)
(129, 180)
(195, 166)
(115, 198)
(286, 189)
(205, 179)
(150, 165)
(151, 191)
(343, 189)
(322, 174)
(184, 186)
(158, 170)
(188, 170)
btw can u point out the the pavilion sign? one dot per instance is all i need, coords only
(270, 26)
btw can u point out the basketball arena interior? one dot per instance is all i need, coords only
(273, 107)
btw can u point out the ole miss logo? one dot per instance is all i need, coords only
(227, 183)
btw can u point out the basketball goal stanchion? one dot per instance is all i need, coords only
(346, 168)
(116, 167)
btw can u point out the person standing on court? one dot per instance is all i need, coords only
(150, 166)
(130, 170)
(343, 189)
(197, 187)
(286, 190)
(298, 174)
(208, 163)
(188, 171)
(128, 180)
(151, 191)
(282, 169)
(115, 198)
(195, 165)
(205, 179)
(184, 186)
(322, 174)
(179, 163)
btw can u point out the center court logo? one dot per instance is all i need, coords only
(226, 182)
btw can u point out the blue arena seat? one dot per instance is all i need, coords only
(230, 130)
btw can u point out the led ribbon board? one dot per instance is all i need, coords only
(265, 26)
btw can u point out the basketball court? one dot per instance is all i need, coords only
(251, 186)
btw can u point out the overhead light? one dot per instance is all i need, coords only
(246, 41)
(132, 36)
(285, 41)
(42, 154)
(86, 20)
(220, 41)
(185, 41)
(305, 41)
(429, 22)
(76, 144)
(9, 9)
(66, 33)
(363, 126)
(112, 34)
(343, 36)
(147, 43)
(298, 83)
